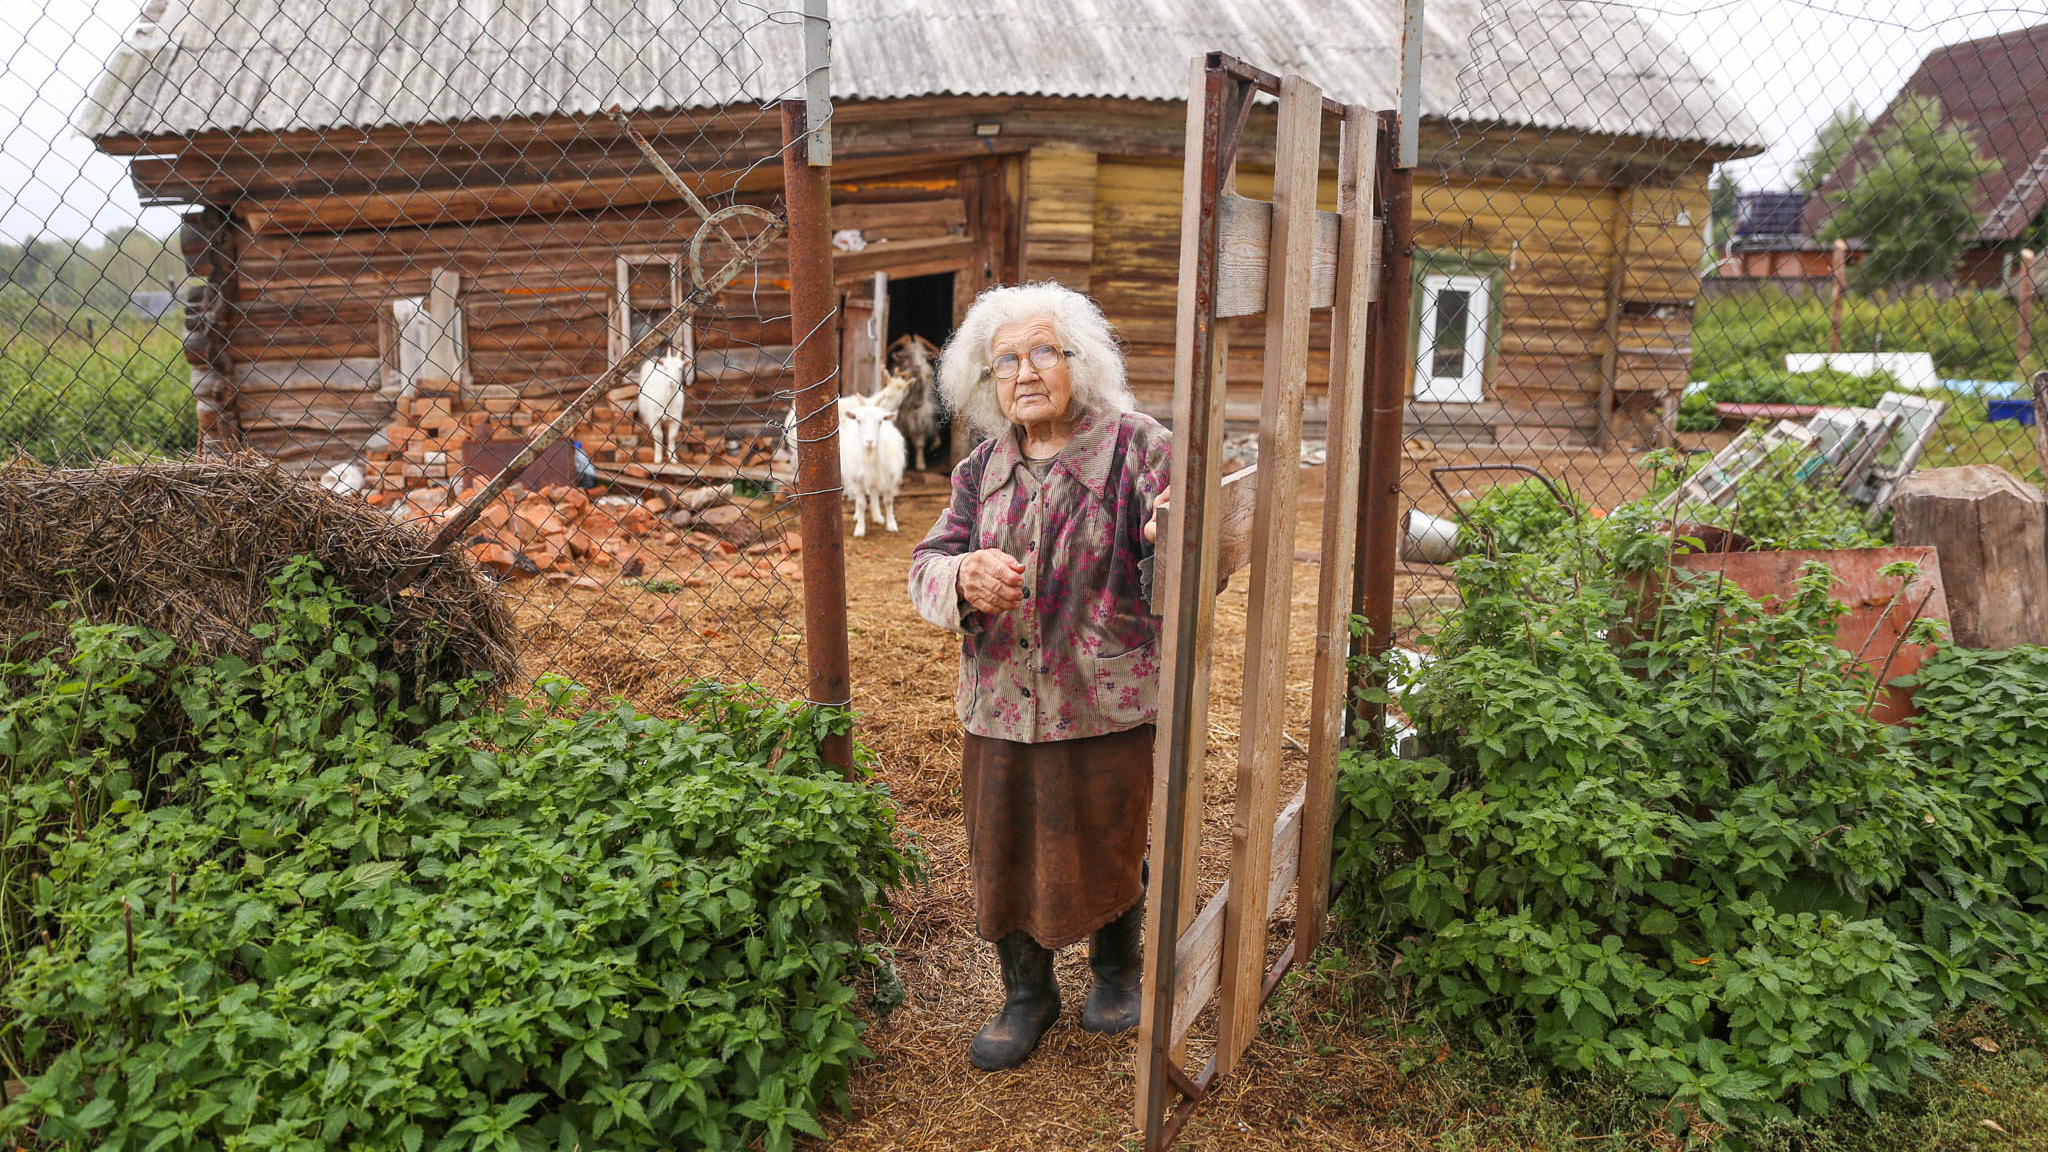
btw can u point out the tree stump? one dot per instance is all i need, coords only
(1992, 533)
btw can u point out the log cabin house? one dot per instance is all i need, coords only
(408, 215)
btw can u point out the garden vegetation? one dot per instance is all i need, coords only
(1654, 838)
(342, 921)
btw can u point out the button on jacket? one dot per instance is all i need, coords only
(1080, 655)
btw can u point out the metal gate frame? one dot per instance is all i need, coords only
(1241, 257)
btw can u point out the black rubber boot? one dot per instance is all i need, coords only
(1115, 958)
(1030, 1005)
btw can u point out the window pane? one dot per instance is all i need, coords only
(1453, 313)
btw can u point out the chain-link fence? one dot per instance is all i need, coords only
(1645, 226)
(385, 244)
(390, 246)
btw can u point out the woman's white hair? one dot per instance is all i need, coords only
(1095, 371)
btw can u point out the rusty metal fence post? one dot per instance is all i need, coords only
(808, 201)
(1380, 482)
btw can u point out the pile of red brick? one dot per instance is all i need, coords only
(560, 532)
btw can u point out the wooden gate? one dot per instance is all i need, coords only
(1277, 260)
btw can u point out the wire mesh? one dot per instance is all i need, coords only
(1650, 225)
(387, 245)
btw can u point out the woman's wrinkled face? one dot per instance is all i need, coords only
(1033, 395)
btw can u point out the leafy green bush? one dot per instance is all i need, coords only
(1654, 836)
(524, 927)
(1696, 412)
(68, 401)
(1981, 728)
(1515, 518)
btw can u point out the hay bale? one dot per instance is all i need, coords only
(188, 549)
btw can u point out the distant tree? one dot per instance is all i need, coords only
(1830, 145)
(131, 259)
(1911, 203)
(1721, 201)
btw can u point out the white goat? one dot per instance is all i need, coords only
(870, 460)
(660, 402)
(345, 479)
(912, 357)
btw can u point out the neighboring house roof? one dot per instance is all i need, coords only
(1768, 213)
(275, 65)
(1997, 90)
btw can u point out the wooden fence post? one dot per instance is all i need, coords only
(1838, 259)
(2023, 297)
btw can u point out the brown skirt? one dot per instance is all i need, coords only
(1056, 832)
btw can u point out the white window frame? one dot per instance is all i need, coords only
(1469, 387)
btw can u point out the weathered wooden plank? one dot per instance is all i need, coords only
(904, 257)
(1236, 501)
(1329, 697)
(1295, 187)
(1246, 228)
(353, 373)
(1189, 630)
(1198, 955)
(1059, 214)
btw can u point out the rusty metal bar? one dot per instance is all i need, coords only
(688, 194)
(807, 192)
(1437, 474)
(1263, 80)
(1380, 495)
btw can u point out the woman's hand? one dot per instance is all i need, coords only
(1152, 525)
(991, 581)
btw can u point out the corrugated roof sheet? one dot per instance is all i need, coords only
(197, 65)
(1997, 89)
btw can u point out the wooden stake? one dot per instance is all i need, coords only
(1186, 566)
(2023, 296)
(2041, 424)
(1610, 330)
(1839, 258)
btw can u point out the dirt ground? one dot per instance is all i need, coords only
(1311, 1080)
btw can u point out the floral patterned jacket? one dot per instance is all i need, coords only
(1080, 656)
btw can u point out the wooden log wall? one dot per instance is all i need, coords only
(1059, 216)
(1557, 245)
(1136, 278)
(329, 227)
(1559, 283)
(1665, 245)
(536, 298)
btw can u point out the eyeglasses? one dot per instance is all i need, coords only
(1043, 357)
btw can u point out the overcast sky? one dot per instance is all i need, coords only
(1790, 62)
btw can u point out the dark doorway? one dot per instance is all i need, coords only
(923, 306)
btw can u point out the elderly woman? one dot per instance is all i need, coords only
(1042, 563)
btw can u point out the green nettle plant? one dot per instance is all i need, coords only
(457, 928)
(1515, 518)
(1654, 836)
